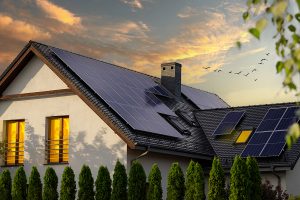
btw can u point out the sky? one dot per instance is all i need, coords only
(142, 34)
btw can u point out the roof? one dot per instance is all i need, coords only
(225, 147)
(197, 112)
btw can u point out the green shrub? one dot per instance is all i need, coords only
(199, 182)
(103, 184)
(154, 179)
(19, 185)
(294, 197)
(216, 182)
(254, 179)
(35, 185)
(268, 193)
(5, 185)
(190, 182)
(50, 185)
(86, 184)
(136, 182)
(175, 188)
(239, 180)
(119, 190)
(194, 183)
(68, 185)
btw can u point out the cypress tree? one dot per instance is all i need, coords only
(5, 185)
(254, 179)
(68, 185)
(194, 183)
(19, 185)
(50, 185)
(199, 182)
(86, 184)
(239, 180)
(103, 184)
(190, 182)
(35, 185)
(154, 179)
(175, 188)
(136, 182)
(119, 190)
(216, 182)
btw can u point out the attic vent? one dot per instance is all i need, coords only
(175, 122)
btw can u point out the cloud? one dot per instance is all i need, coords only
(134, 4)
(20, 30)
(188, 12)
(58, 13)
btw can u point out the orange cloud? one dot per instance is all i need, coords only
(58, 13)
(134, 4)
(21, 30)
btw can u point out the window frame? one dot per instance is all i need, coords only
(17, 146)
(47, 149)
(239, 135)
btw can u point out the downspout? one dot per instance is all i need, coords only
(140, 156)
(277, 176)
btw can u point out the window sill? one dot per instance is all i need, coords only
(16, 165)
(58, 163)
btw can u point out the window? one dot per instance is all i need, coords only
(15, 142)
(58, 140)
(243, 137)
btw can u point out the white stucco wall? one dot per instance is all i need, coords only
(92, 141)
(293, 180)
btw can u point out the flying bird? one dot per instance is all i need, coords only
(254, 70)
(246, 74)
(230, 72)
(255, 79)
(263, 59)
(206, 67)
(238, 72)
(219, 70)
(267, 54)
(260, 63)
(215, 70)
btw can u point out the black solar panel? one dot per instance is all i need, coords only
(128, 93)
(202, 99)
(270, 134)
(229, 122)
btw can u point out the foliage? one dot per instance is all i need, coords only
(19, 185)
(103, 184)
(136, 182)
(5, 185)
(194, 183)
(2, 149)
(86, 184)
(216, 182)
(254, 179)
(294, 197)
(50, 185)
(284, 16)
(268, 193)
(119, 190)
(35, 185)
(68, 185)
(175, 188)
(154, 179)
(239, 180)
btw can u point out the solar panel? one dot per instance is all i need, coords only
(229, 122)
(270, 134)
(130, 94)
(202, 99)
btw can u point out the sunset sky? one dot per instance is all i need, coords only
(142, 34)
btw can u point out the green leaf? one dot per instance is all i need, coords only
(261, 24)
(297, 16)
(279, 8)
(292, 86)
(297, 54)
(239, 44)
(246, 16)
(296, 38)
(255, 2)
(279, 66)
(292, 28)
(255, 32)
(289, 18)
(298, 2)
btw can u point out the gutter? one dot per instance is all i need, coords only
(140, 156)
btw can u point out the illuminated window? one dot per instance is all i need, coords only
(15, 142)
(58, 140)
(243, 137)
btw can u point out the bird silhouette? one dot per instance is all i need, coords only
(246, 74)
(230, 72)
(255, 79)
(215, 70)
(263, 59)
(219, 70)
(267, 54)
(254, 70)
(206, 67)
(238, 72)
(260, 63)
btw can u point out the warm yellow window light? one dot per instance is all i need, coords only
(58, 139)
(15, 142)
(244, 136)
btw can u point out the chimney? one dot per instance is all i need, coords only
(171, 77)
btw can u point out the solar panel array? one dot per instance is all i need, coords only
(202, 99)
(229, 122)
(128, 93)
(269, 138)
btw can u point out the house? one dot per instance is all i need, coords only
(58, 108)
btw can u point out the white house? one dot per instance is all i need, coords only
(58, 108)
